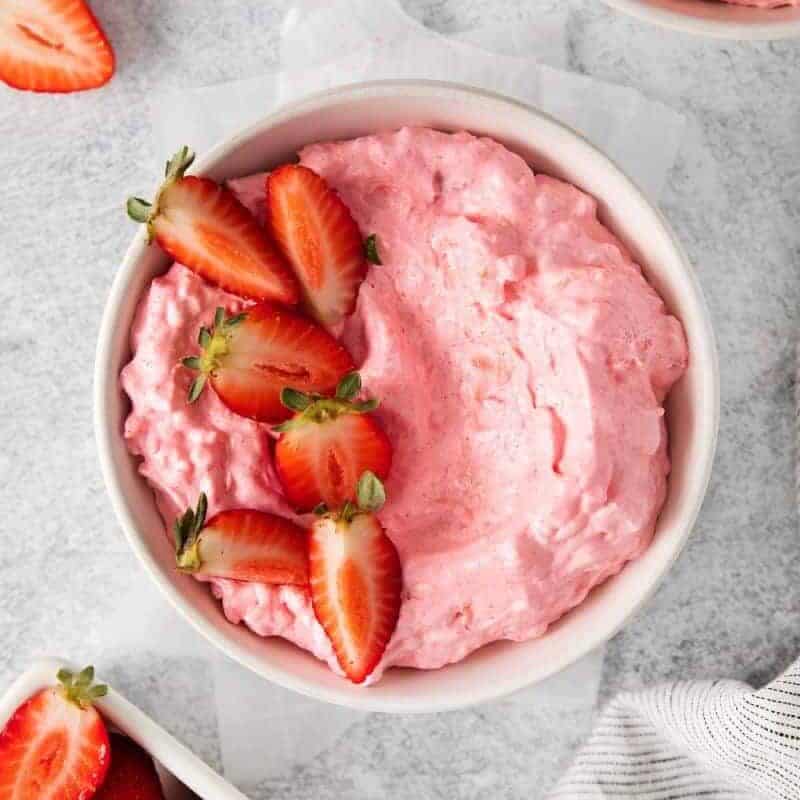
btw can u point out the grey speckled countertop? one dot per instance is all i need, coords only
(731, 604)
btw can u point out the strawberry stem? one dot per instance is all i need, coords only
(370, 497)
(145, 213)
(347, 512)
(370, 492)
(187, 529)
(139, 210)
(80, 689)
(214, 343)
(295, 400)
(371, 249)
(349, 386)
(318, 409)
(179, 163)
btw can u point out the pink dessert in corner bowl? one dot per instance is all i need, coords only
(521, 361)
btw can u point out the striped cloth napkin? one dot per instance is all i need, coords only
(694, 739)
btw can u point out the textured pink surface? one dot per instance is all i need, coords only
(522, 360)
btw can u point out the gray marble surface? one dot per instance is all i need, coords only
(729, 607)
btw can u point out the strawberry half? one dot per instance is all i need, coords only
(319, 237)
(328, 444)
(356, 581)
(56, 744)
(52, 46)
(203, 226)
(132, 775)
(241, 544)
(249, 358)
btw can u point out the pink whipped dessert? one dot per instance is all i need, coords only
(522, 361)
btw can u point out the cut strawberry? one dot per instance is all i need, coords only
(319, 237)
(52, 46)
(132, 775)
(356, 581)
(328, 444)
(203, 226)
(241, 544)
(56, 745)
(248, 359)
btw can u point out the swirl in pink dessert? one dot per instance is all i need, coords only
(522, 360)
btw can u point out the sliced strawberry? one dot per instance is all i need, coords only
(319, 237)
(241, 544)
(203, 226)
(55, 745)
(52, 46)
(328, 444)
(356, 583)
(132, 775)
(248, 359)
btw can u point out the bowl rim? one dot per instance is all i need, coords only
(712, 28)
(105, 431)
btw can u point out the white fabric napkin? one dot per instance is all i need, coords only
(345, 41)
(694, 739)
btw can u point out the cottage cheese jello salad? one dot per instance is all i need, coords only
(400, 399)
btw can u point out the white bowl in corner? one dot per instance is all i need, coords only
(716, 18)
(692, 410)
(178, 767)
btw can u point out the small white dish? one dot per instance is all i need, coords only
(692, 409)
(179, 768)
(716, 18)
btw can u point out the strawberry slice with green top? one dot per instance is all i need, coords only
(241, 544)
(328, 444)
(55, 745)
(319, 237)
(356, 580)
(202, 225)
(249, 358)
(53, 46)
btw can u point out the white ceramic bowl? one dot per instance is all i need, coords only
(715, 18)
(178, 767)
(693, 407)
